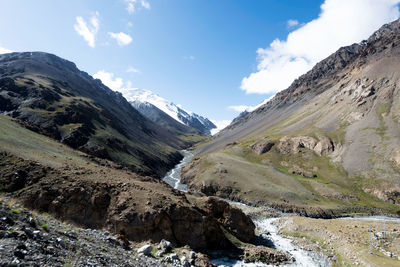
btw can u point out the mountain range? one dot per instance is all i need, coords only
(51, 96)
(80, 152)
(73, 149)
(138, 97)
(327, 144)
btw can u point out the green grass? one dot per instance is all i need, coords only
(15, 211)
(339, 190)
(45, 227)
(23, 142)
(193, 138)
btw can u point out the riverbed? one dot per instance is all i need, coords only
(173, 176)
(265, 227)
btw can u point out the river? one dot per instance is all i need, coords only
(173, 176)
(265, 227)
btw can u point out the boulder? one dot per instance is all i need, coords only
(262, 146)
(172, 258)
(203, 260)
(299, 171)
(324, 146)
(165, 245)
(184, 262)
(145, 250)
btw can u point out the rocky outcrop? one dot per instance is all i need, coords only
(293, 144)
(299, 171)
(262, 146)
(231, 218)
(33, 239)
(140, 208)
(391, 195)
(266, 255)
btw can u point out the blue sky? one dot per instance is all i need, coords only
(193, 52)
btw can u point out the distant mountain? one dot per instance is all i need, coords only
(50, 95)
(135, 96)
(161, 118)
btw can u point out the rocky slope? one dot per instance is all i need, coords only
(52, 96)
(150, 100)
(28, 239)
(331, 137)
(49, 177)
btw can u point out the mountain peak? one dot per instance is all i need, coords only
(177, 112)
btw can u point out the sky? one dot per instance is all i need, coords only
(213, 57)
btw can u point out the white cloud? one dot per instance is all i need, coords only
(108, 79)
(5, 50)
(340, 23)
(88, 30)
(132, 4)
(129, 24)
(122, 38)
(133, 70)
(292, 23)
(145, 4)
(241, 108)
(220, 125)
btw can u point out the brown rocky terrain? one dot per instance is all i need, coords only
(140, 208)
(48, 177)
(331, 138)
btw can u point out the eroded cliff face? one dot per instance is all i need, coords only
(140, 208)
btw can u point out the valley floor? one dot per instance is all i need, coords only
(348, 240)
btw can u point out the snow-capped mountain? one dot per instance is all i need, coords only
(190, 119)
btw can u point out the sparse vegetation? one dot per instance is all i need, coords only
(15, 211)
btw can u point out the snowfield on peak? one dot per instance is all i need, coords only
(174, 111)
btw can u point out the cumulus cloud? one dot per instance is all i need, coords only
(122, 38)
(340, 23)
(131, 5)
(220, 125)
(108, 79)
(5, 50)
(292, 23)
(88, 30)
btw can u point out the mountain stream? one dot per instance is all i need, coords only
(264, 226)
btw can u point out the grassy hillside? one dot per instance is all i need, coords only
(333, 137)
(51, 96)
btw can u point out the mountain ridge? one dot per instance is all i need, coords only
(200, 123)
(52, 96)
(331, 137)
